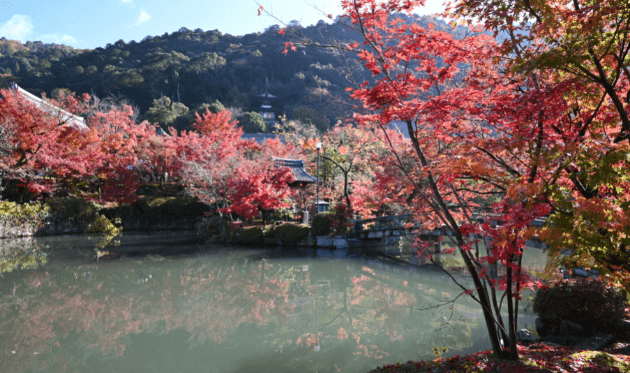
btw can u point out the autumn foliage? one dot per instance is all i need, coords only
(113, 156)
(503, 133)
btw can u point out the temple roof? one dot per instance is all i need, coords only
(62, 115)
(262, 137)
(297, 168)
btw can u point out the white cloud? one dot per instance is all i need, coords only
(58, 39)
(143, 17)
(18, 27)
(126, 2)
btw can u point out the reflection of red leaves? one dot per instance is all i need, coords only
(342, 334)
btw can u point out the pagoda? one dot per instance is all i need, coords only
(266, 111)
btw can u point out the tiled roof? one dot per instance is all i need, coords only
(297, 167)
(262, 137)
(62, 115)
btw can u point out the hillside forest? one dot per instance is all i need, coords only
(168, 78)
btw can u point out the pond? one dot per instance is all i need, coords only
(169, 305)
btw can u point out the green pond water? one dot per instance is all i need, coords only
(167, 304)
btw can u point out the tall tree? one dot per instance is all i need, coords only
(459, 111)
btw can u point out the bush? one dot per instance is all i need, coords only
(156, 213)
(102, 225)
(250, 236)
(321, 223)
(29, 213)
(75, 211)
(587, 301)
(290, 233)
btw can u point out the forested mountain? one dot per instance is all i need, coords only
(196, 67)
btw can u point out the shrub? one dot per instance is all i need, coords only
(155, 213)
(102, 225)
(290, 233)
(29, 213)
(321, 223)
(77, 211)
(252, 235)
(587, 301)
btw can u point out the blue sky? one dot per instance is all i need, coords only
(94, 23)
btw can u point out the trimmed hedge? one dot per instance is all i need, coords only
(250, 236)
(290, 234)
(322, 223)
(586, 301)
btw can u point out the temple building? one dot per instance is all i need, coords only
(302, 178)
(63, 117)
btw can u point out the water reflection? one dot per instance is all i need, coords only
(226, 310)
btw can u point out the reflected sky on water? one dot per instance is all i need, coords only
(169, 305)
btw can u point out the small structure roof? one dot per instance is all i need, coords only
(63, 116)
(297, 168)
(262, 137)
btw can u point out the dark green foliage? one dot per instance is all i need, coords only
(588, 302)
(166, 113)
(151, 213)
(252, 122)
(322, 223)
(214, 107)
(73, 211)
(310, 116)
(250, 236)
(290, 234)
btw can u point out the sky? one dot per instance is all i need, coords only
(88, 24)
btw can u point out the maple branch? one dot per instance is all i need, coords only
(532, 11)
(625, 121)
(499, 161)
(539, 141)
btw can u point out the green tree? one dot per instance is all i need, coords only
(166, 113)
(252, 122)
(237, 99)
(185, 123)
